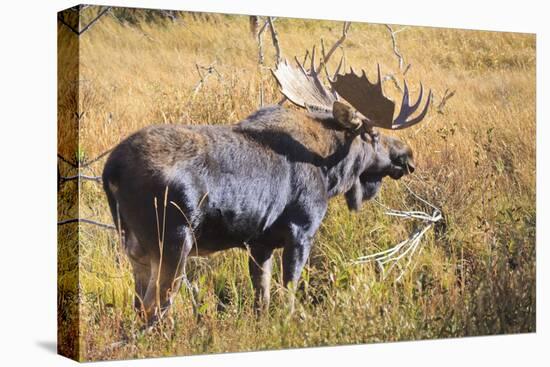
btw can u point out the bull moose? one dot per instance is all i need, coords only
(263, 183)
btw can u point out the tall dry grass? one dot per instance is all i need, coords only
(476, 161)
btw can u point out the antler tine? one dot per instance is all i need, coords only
(303, 87)
(299, 64)
(414, 107)
(312, 68)
(369, 100)
(401, 124)
(306, 56)
(379, 82)
(404, 112)
(331, 80)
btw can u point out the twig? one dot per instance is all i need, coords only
(400, 58)
(275, 40)
(86, 164)
(87, 27)
(209, 71)
(394, 80)
(446, 96)
(60, 18)
(260, 43)
(406, 69)
(394, 43)
(89, 221)
(328, 55)
(259, 36)
(74, 165)
(80, 177)
(94, 20)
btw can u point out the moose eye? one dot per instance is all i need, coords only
(401, 160)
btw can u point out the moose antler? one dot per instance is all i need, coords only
(303, 87)
(368, 99)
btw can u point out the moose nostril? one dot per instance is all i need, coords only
(410, 167)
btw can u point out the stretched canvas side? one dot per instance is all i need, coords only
(68, 315)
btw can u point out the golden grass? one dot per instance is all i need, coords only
(476, 274)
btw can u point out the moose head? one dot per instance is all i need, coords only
(361, 107)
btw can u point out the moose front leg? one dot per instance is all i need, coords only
(294, 258)
(259, 265)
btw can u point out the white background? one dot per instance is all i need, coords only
(28, 188)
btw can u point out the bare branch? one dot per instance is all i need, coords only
(89, 221)
(394, 43)
(60, 18)
(328, 55)
(446, 96)
(209, 71)
(259, 35)
(86, 164)
(406, 69)
(260, 43)
(275, 39)
(394, 80)
(74, 165)
(400, 30)
(94, 20)
(63, 179)
(78, 32)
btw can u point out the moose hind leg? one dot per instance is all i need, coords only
(141, 268)
(142, 274)
(296, 251)
(167, 274)
(295, 255)
(259, 265)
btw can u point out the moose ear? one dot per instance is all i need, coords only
(354, 196)
(345, 115)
